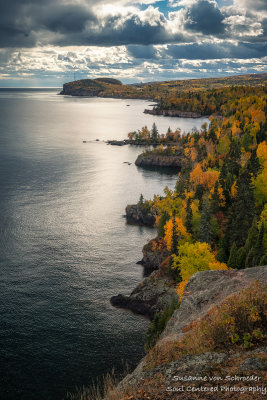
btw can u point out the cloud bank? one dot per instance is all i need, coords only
(132, 40)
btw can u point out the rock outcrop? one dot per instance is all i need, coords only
(149, 297)
(136, 214)
(154, 252)
(207, 289)
(159, 161)
(204, 291)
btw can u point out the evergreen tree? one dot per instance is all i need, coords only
(205, 229)
(250, 258)
(189, 216)
(141, 200)
(162, 222)
(253, 164)
(259, 246)
(244, 253)
(215, 199)
(263, 260)
(234, 157)
(242, 210)
(241, 254)
(233, 261)
(199, 192)
(223, 253)
(154, 133)
(174, 248)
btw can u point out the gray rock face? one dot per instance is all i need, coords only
(204, 291)
(149, 297)
(207, 289)
(173, 113)
(153, 258)
(135, 215)
(254, 363)
(161, 161)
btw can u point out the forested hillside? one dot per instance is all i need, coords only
(169, 94)
(216, 218)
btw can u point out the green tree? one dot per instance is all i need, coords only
(233, 261)
(141, 200)
(259, 246)
(154, 133)
(242, 210)
(162, 221)
(189, 216)
(205, 229)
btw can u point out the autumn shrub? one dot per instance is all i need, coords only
(240, 322)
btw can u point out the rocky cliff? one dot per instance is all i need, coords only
(173, 113)
(159, 161)
(135, 214)
(204, 292)
(149, 297)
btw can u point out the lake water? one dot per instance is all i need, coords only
(65, 247)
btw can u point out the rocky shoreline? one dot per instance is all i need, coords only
(136, 214)
(156, 160)
(174, 113)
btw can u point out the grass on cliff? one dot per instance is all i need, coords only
(105, 387)
(240, 322)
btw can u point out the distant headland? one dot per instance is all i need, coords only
(171, 97)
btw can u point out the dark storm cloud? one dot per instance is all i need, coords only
(132, 31)
(27, 23)
(145, 52)
(202, 51)
(65, 19)
(205, 17)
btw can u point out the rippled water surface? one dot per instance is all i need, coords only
(65, 248)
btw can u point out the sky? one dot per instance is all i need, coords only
(46, 42)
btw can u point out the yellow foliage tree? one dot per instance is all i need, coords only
(180, 231)
(194, 257)
(262, 152)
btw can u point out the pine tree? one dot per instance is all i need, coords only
(242, 210)
(215, 199)
(250, 258)
(189, 216)
(259, 246)
(234, 157)
(205, 229)
(223, 252)
(253, 164)
(174, 248)
(154, 133)
(162, 221)
(233, 261)
(141, 200)
(246, 253)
